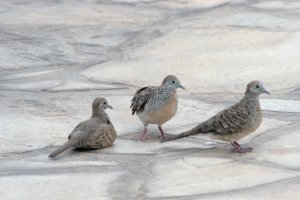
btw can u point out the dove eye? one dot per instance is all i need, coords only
(104, 103)
(173, 81)
(257, 86)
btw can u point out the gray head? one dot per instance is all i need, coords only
(101, 103)
(172, 81)
(256, 88)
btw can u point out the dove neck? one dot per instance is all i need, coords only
(171, 88)
(251, 99)
(250, 95)
(102, 115)
(98, 112)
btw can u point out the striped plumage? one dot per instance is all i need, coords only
(234, 122)
(156, 104)
(97, 132)
(156, 98)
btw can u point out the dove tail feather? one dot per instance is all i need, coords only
(63, 148)
(199, 129)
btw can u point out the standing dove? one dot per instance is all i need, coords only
(234, 122)
(156, 104)
(95, 133)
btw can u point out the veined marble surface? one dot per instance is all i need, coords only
(57, 56)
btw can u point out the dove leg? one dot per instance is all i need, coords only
(244, 149)
(239, 149)
(162, 133)
(142, 138)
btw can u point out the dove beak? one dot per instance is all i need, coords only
(182, 87)
(109, 106)
(267, 92)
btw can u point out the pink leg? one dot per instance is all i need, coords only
(142, 138)
(162, 134)
(239, 149)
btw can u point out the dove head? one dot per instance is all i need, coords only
(101, 104)
(256, 88)
(172, 81)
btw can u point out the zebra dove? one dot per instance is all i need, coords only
(234, 122)
(156, 104)
(95, 133)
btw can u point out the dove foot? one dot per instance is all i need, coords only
(161, 138)
(142, 138)
(242, 150)
(238, 149)
(162, 133)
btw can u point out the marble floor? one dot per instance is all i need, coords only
(57, 56)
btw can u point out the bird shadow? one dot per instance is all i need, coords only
(82, 150)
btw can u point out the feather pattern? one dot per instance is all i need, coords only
(151, 99)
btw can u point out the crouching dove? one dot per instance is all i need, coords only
(234, 122)
(156, 104)
(95, 133)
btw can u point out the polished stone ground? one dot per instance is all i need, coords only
(57, 56)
